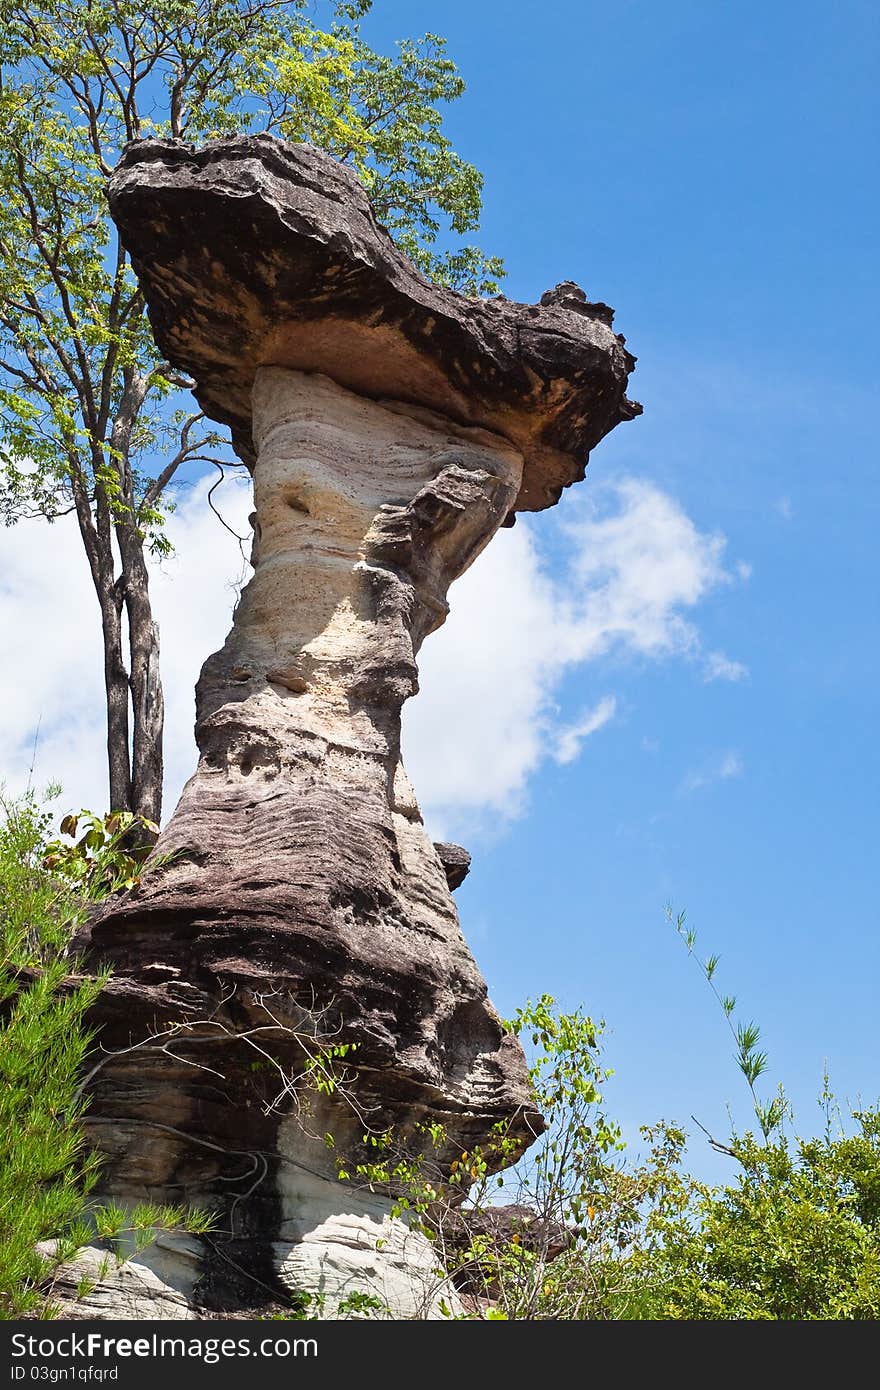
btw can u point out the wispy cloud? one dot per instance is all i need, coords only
(720, 769)
(639, 564)
(718, 667)
(569, 740)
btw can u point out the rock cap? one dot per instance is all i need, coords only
(253, 251)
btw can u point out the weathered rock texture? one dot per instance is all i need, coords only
(392, 427)
(256, 252)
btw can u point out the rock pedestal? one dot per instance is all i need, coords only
(295, 901)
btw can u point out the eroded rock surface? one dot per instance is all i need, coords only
(456, 863)
(254, 251)
(295, 899)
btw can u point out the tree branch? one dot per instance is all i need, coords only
(159, 483)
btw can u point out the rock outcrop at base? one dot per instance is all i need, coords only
(295, 902)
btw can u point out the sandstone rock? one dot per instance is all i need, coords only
(155, 1283)
(295, 900)
(456, 863)
(254, 251)
(338, 1246)
(501, 1223)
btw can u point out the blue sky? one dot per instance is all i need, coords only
(707, 168)
(705, 602)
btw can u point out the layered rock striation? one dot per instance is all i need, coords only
(295, 900)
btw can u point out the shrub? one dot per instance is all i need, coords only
(46, 1168)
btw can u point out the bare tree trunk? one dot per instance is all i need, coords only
(97, 539)
(116, 688)
(135, 702)
(145, 685)
(147, 701)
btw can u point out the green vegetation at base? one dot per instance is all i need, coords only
(590, 1230)
(593, 1232)
(47, 1171)
(796, 1237)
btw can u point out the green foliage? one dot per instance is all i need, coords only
(80, 79)
(599, 1233)
(37, 911)
(597, 1212)
(322, 1070)
(46, 1168)
(356, 1306)
(107, 856)
(596, 1232)
(750, 1059)
(91, 420)
(795, 1237)
(587, 1221)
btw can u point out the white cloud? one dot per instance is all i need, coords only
(634, 565)
(718, 667)
(476, 732)
(638, 561)
(52, 672)
(719, 769)
(569, 740)
(50, 683)
(194, 594)
(784, 508)
(632, 569)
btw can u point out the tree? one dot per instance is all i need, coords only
(91, 420)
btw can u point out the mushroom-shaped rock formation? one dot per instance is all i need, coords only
(256, 253)
(295, 900)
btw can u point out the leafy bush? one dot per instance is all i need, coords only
(570, 1230)
(46, 1168)
(588, 1232)
(795, 1237)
